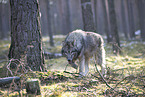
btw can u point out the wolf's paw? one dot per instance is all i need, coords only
(74, 65)
(81, 75)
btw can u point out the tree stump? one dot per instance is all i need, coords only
(33, 86)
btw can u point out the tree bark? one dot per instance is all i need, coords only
(26, 33)
(89, 24)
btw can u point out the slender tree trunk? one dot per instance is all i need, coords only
(106, 21)
(131, 19)
(26, 33)
(87, 15)
(124, 23)
(141, 8)
(1, 22)
(49, 25)
(76, 21)
(43, 18)
(127, 18)
(95, 14)
(4, 19)
(65, 16)
(113, 26)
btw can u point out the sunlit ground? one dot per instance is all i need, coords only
(127, 69)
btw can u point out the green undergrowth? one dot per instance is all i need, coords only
(125, 73)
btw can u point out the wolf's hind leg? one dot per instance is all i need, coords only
(100, 58)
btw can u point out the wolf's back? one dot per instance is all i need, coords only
(75, 35)
(85, 39)
(78, 37)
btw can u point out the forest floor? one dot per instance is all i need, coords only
(125, 73)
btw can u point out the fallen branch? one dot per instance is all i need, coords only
(3, 61)
(130, 77)
(101, 75)
(8, 80)
(103, 78)
(71, 73)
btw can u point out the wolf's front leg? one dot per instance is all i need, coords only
(74, 65)
(82, 66)
(86, 65)
(103, 69)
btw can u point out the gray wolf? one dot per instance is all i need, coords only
(83, 45)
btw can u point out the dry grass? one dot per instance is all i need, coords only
(126, 74)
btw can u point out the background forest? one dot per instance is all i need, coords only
(31, 35)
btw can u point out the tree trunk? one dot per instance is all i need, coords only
(113, 27)
(1, 22)
(49, 25)
(76, 21)
(26, 33)
(43, 18)
(106, 28)
(141, 8)
(127, 18)
(124, 23)
(4, 20)
(96, 14)
(33, 86)
(89, 24)
(65, 13)
(131, 19)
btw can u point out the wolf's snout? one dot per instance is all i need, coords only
(69, 61)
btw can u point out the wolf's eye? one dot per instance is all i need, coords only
(64, 52)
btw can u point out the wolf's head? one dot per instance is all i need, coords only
(69, 50)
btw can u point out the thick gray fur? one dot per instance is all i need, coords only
(83, 45)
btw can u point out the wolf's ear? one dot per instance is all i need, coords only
(63, 43)
(99, 42)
